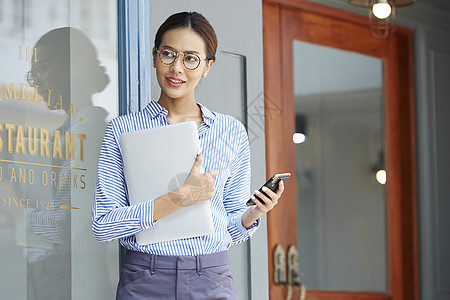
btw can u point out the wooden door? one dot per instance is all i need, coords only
(285, 21)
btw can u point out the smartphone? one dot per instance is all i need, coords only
(272, 184)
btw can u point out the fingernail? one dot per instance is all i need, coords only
(257, 192)
(264, 188)
(253, 197)
(282, 182)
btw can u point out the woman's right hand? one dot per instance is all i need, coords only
(198, 187)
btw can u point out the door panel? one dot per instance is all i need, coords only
(318, 24)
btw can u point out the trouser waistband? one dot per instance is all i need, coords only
(183, 262)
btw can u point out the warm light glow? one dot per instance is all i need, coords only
(298, 138)
(381, 9)
(381, 176)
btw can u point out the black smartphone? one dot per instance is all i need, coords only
(272, 184)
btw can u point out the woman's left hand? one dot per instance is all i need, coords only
(269, 203)
(256, 211)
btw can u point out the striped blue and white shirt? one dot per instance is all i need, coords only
(224, 145)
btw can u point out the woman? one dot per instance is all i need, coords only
(194, 268)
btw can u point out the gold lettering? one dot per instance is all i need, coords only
(81, 136)
(49, 96)
(74, 113)
(13, 175)
(20, 52)
(74, 181)
(1, 173)
(25, 93)
(52, 178)
(32, 140)
(44, 178)
(28, 203)
(22, 177)
(20, 141)
(1, 140)
(35, 55)
(57, 145)
(10, 128)
(66, 180)
(21, 201)
(84, 184)
(9, 91)
(44, 143)
(70, 145)
(31, 176)
(5, 202)
(37, 97)
(60, 103)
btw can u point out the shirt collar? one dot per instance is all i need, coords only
(208, 115)
(154, 109)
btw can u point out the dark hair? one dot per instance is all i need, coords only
(196, 22)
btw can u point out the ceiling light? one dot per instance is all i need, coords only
(300, 129)
(381, 9)
(381, 15)
(381, 176)
(379, 169)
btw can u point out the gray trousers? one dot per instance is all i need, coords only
(149, 276)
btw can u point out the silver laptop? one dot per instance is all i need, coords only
(157, 161)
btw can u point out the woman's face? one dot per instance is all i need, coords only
(175, 80)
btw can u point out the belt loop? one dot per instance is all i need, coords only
(152, 264)
(198, 260)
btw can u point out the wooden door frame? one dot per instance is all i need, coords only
(285, 20)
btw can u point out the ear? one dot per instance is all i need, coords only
(207, 68)
(154, 56)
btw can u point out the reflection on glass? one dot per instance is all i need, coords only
(341, 206)
(52, 120)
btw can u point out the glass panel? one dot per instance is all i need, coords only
(58, 88)
(341, 205)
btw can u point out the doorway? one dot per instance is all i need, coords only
(291, 25)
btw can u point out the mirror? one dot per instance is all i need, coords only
(341, 205)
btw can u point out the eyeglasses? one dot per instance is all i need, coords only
(40, 69)
(33, 77)
(191, 61)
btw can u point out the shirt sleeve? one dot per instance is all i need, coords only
(112, 216)
(237, 191)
